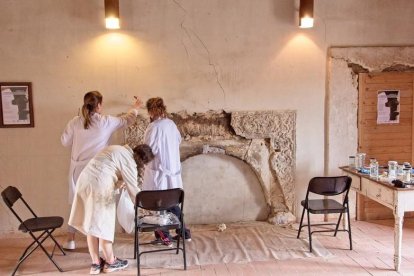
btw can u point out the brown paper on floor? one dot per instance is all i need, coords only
(240, 243)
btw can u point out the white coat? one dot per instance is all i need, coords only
(94, 205)
(86, 143)
(164, 172)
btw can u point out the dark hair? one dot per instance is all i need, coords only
(143, 154)
(156, 107)
(90, 103)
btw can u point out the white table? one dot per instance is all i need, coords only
(400, 200)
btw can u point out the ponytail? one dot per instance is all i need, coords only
(90, 103)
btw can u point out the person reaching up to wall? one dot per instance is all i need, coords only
(88, 134)
(164, 172)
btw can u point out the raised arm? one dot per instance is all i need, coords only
(126, 119)
(67, 136)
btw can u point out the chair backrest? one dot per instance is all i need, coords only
(10, 195)
(160, 200)
(330, 185)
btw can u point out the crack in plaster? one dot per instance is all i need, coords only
(178, 4)
(210, 63)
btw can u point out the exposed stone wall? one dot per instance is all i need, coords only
(263, 139)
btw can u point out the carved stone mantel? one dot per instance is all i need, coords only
(265, 140)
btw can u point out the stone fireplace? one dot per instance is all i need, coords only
(254, 150)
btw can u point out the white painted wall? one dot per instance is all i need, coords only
(196, 54)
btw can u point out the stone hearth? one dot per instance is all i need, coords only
(265, 140)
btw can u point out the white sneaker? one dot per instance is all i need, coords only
(69, 245)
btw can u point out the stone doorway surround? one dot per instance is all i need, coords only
(341, 121)
(265, 140)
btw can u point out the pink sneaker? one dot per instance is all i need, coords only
(165, 240)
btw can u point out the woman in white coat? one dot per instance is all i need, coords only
(94, 206)
(164, 172)
(88, 134)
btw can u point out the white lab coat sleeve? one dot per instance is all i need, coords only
(150, 138)
(67, 136)
(129, 174)
(113, 123)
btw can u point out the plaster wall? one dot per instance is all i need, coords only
(196, 54)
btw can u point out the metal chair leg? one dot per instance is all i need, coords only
(337, 225)
(44, 250)
(349, 228)
(135, 242)
(25, 251)
(137, 255)
(56, 243)
(300, 225)
(309, 230)
(184, 254)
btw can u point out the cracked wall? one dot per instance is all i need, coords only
(265, 140)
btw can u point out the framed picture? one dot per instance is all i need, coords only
(16, 104)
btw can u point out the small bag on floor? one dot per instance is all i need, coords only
(125, 212)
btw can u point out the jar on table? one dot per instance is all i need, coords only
(351, 163)
(392, 169)
(407, 175)
(360, 161)
(373, 168)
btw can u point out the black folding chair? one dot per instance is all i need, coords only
(327, 186)
(35, 224)
(161, 200)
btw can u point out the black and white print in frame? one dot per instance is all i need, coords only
(16, 104)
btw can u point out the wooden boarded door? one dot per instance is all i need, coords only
(384, 141)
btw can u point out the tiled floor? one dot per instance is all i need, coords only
(372, 255)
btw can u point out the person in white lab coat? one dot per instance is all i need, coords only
(164, 172)
(94, 206)
(88, 134)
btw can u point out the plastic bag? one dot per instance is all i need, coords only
(125, 212)
(160, 219)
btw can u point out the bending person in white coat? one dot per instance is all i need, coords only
(94, 206)
(88, 134)
(164, 172)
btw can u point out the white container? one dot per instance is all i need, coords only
(373, 168)
(407, 175)
(392, 169)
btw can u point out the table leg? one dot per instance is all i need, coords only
(397, 240)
